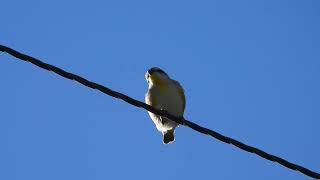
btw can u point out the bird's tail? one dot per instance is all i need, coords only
(168, 136)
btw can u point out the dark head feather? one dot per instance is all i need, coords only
(156, 69)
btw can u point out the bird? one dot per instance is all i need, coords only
(165, 94)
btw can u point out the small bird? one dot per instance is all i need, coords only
(166, 94)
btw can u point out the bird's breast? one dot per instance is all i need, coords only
(166, 98)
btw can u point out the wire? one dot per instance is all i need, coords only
(180, 120)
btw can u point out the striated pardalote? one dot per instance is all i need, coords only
(166, 94)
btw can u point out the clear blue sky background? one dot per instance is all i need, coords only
(250, 70)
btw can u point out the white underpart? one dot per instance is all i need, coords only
(169, 100)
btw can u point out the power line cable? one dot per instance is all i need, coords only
(180, 120)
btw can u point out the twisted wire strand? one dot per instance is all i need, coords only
(180, 120)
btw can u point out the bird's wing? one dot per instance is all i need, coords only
(181, 93)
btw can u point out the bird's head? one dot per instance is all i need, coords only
(156, 75)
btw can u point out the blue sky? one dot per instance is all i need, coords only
(250, 70)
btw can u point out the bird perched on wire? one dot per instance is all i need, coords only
(166, 94)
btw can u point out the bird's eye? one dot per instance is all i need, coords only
(147, 77)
